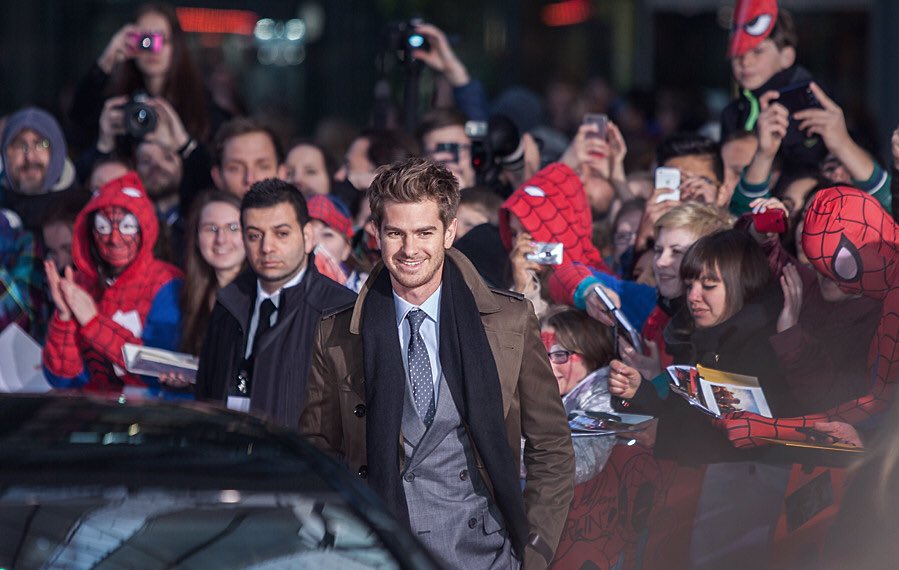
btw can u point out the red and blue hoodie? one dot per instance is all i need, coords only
(140, 306)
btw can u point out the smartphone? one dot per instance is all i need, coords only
(771, 221)
(602, 124)
(668, 178)
(546, 253)
(622, 325)
(797, 97)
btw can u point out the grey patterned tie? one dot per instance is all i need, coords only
(420, 369)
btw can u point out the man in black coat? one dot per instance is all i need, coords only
(257, 349)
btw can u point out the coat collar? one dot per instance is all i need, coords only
(483, 297)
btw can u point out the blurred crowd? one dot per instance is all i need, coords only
(762, 244)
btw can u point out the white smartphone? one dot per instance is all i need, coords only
(668, 178)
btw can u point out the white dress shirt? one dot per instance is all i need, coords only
(429, 330)
(261, 296)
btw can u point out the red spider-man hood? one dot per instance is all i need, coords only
(851, 239)
(753, 22)
(128, 193)
(552, 207)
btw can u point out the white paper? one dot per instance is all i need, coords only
(20, 356)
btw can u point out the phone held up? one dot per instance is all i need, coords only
(771, 221)
(668, 178)
(602, 125)
(623, 326)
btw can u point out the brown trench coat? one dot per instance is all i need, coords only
(334, 417)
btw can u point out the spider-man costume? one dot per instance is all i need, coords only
(140, 306)
(851, 239)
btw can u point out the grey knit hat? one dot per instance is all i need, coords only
(44, 124)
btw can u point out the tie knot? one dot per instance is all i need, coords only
(416, 317)
(266, 310)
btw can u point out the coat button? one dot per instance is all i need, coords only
(463, 475)
(359, 411)
(409, 477)
(472, 522)
(363, 471)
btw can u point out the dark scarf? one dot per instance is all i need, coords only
(473, 382)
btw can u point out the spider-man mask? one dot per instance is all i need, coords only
(117, 235)
(850, 239)
(753, 22)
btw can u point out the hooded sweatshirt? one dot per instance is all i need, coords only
(60, 174)
(140, 306)
(552, 206)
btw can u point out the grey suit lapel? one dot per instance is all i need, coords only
(445, 420)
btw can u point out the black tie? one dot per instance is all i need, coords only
(265, 322)
(266, 309)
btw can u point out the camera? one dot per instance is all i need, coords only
(146, 41)
(496, 147)
(546, 253)
(139, 117)
(403, 39)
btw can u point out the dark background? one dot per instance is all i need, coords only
(639, 46)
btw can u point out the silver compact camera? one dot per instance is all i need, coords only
(546, 253)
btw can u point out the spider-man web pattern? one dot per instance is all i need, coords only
(849, 238)
(90, 356)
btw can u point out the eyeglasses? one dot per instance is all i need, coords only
(213, 230)
(25, 147)
(559, 356)
(624, 238)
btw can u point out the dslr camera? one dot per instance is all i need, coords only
(496, 146)
(139, 117)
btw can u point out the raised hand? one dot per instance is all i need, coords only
(597, 309)
(791, 284)
(441, 57)
(774, 120)
(118, 49)
(827, 122)
(62, 308)
(170, 132)
(79, 301)
(112, 123)
(523, 269)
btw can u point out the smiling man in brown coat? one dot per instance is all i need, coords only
(427, 384)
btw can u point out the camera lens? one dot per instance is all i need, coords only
(416, 41)
(141, 117)
(146, 42)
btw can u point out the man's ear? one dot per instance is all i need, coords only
(787, 57)
(308, 237)
(216, 173)
(282, 173)
(450, 236)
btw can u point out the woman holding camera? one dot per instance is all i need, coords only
(149, 56)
